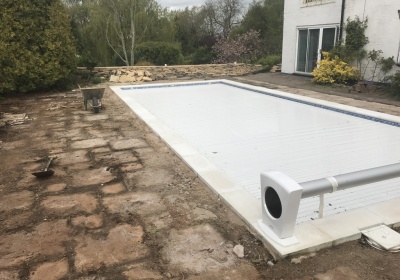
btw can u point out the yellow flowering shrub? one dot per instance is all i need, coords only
(331, 69)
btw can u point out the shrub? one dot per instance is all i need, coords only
(36, 45)
(85, 60)
(96, 80)
(243, 48)
(351, 49)
(395, 84)
(187, 59)
(144, 63)
(159, 53)
(331, 69)
(202, 55)
(181, 59)
(269, 61)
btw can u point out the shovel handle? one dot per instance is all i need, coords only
(48, 163)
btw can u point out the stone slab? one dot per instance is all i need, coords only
(91, 254)
(68, 133)
(240, 271)
(148, 177)
(203, 214)
(92, 177)
(17, 220)
(141, 203)
(140, 272)
(116, 157)
(130, 167)
(388, 210)
(56, 187)
(101, 150)
(69, 204)
(91, 222)
(128, 144)
(16, 201)
(97, 117)
(384, 236)
(71, 157)
(114, 78)
(9, 275)
(351, 224)
(338, 273)
(89, 143)
(46, 239)
(50, 270)
(113, 188)
(188, 250)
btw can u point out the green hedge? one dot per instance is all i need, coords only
(202, 56)
(159, 53)
(36, 46)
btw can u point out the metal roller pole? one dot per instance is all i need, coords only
(349, 180)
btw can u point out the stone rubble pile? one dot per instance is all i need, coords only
(141, 74)
(12, 119)
(276, 68)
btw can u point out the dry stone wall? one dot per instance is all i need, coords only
(182, 72)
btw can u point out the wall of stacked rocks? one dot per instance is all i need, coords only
(140, 74)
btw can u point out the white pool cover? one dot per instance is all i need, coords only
(244, 130)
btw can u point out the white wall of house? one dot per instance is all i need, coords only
(383, 29)
(383, 24)
(297, 15)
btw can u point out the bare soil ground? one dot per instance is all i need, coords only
(121, 205)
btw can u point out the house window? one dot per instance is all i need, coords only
(310, 44)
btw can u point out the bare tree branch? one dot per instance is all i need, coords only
(109, 43)
(125, 26)
(223, 14)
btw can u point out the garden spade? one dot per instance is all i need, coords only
(46, 172)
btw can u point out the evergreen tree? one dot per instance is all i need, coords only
(36, 46)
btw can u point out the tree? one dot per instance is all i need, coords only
(194, 34)
(88, 22)
(188, 31)
(267, 18)
(243, 48)
(108, 31)
(128, 24)
(36, 45)
(222, 15)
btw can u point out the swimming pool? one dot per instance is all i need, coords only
(230, 132)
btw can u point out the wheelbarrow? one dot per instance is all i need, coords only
(92, 96)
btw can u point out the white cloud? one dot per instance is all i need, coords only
(179, 4)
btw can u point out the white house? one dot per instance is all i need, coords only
(312, 26)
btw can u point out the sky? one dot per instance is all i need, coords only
(181, 4)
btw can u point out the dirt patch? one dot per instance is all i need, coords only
(121, 205)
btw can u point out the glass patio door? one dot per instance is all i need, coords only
(310, 44)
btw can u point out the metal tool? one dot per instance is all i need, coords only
(46, 172)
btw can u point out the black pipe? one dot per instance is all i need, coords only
(342, 20)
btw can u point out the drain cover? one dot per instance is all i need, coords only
(384, 236)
